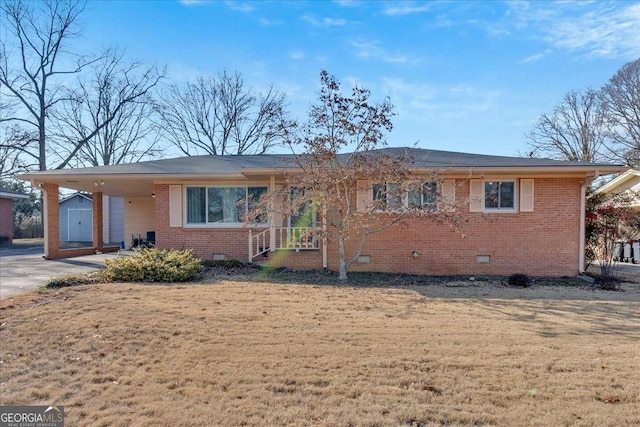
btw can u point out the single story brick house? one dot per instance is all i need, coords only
(7, 197)
(521, 215)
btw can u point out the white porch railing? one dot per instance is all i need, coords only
(281, 238)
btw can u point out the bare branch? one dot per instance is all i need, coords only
(576, 130)
(218, 115)
(621, 99)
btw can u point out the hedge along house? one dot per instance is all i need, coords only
(520, 214)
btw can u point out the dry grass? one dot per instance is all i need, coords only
(238, 353)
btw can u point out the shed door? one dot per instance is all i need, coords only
(80, 225)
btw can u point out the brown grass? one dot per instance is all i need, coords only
(238, 353)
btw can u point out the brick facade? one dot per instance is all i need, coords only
(544, 242)
(6, 220)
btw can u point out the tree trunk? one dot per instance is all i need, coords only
(342, 259)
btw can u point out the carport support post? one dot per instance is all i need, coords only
(98, 242)
(51, 221)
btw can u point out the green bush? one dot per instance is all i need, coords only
(153, 265)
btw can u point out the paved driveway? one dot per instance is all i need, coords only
(23, 269)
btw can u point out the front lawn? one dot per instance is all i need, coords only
(243, 353)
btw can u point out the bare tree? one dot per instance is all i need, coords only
(576, 130)
(40, 33)
(218, 115)
(621, 99)
(34, 77)
(116, 101)
(13, 141)
(323, 190)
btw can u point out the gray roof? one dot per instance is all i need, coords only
(234, 164)
(12, 194)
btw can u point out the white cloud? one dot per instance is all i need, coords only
(420, 101)
(268, 22)
(240, 6)
(347, 3)
(194, 2)
(534, 58)
(324, 22)
(608, 29)
(297, 55)
(406, 8)
(373, 50)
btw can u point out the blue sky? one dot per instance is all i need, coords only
(464, 76)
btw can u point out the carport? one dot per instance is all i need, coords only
(137, 191)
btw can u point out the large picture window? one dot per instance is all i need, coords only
(499, 195)
(221, 205)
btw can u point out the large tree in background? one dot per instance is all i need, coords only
(219, 115)
(621, 100)
(35, 64)
(575, 130)
(13, 140)
(32, 60)
(126, 131)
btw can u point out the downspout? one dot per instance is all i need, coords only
(583, 196)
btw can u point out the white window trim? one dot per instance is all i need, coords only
(516, 193)
(226, 225)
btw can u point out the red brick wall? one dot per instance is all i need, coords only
(52, 224)
(232, 242)
(540, 243)
(6, 219)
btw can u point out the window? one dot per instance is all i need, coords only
(499, 195)
(390, 196)
(220, 205)
(425, 197)
(387, 196)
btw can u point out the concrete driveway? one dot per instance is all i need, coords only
(23, 269)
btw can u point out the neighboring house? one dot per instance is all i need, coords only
(7, 197)
(192, 202)
(76, 218)
(626, 184)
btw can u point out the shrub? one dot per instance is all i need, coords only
(519, 280)
(153, 265)
(79, 279)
